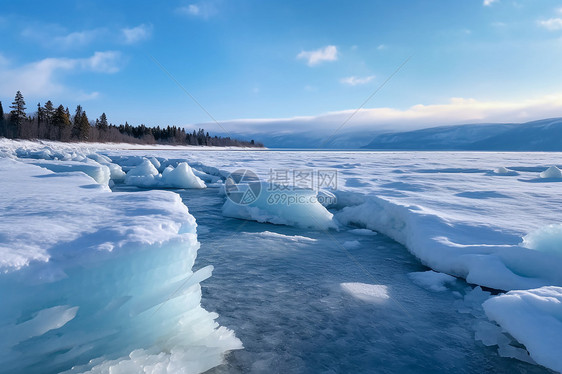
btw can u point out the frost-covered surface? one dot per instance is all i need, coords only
(534, 318)
(484, 217)
(87, 274)
(452, 210)
(462, 214)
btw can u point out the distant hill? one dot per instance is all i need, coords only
(542, 135)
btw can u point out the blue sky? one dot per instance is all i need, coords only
(471, 60)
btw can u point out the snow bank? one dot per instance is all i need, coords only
(534, 318)
(87, 274)
(146, 175)
(551, 172)
(99, 173)
(67, 158)
(295, 208)
(456, 248)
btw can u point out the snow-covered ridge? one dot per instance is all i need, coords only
(97, 280)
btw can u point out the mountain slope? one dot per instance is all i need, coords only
(543, 135)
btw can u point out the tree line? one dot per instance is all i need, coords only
(57, 123)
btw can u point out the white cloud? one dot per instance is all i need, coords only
(102, 62)
(456, 111)
(136, 34)
(552, 24)
(313, 58)
(354, 81)
(46, 77)
(489, 2)
(381, 47)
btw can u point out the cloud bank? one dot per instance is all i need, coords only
(456, 111)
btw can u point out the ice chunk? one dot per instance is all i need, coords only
(88, 276)
(117, 174)
(551, 172)
(208, 178)
(146, 175)
(546, 239)
(181, 177)
(375, 293)
(432, 280)
(143, 175)
(534, 318)
(295, 208)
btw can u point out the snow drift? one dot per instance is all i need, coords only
(455, 248)
(97, 280)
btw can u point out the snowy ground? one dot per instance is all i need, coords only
(321, 292)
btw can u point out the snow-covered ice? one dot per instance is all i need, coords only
(534, 318)
(146, 175)
(297, 208)
(93, 279)
(483, 217)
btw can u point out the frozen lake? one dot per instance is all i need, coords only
(123, 279)
(279, 289)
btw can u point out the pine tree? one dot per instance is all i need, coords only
(49, 112)
(84, 129)
(76, 122)
(17, 115)
(39, 114)
(101, 124)
(61, 121)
